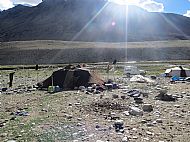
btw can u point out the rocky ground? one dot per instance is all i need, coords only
(115, 115)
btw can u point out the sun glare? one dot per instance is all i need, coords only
(126, 2)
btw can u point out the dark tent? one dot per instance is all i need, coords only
(68, 79)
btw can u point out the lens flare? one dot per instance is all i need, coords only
(113, 23)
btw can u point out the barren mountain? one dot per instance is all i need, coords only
(90, 20)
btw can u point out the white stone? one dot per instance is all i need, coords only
(149, 133)
(125, 139)
(119, 122)
(99, 141)
(135, 111)
(126, 113)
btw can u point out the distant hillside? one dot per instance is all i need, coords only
(90, 20)
(54, 52)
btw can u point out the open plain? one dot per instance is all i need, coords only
(60, 52)
(27, 114)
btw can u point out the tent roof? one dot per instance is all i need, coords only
(176, 68)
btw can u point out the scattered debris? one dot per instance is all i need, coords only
(141, 79)
(103, 105)
(104, 111)
(21, 113)
(133, 70)
(4, 89)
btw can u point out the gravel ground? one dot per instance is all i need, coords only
(77, 116)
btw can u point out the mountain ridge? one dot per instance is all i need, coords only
(78, 20)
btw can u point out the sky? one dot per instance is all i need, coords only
(169, 6)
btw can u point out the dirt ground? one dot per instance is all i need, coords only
(76, 116)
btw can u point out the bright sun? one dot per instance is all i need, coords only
(125, 2)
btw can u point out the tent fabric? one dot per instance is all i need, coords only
(178, 71)
(141, 79)
(68, 79)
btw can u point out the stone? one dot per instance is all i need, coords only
(149, 124)
(3, 135)
(177, 106)
(79, 119)
(134, 137)
(153, 77)
(97, 126)
(134, 93)
(135, 111)
(82, 88)
(125, 139)
(123, 97)
(89, 89)
(118, 124)
(147, 107)
(145, 94)
(126, 113)
(165, 97)
(125, 92)
(149, 133)
(143, 121)
(97, 92)
(77, 104)
(99, 141)
(121, 130)
(22, 124)
(157, 113)
(138, 100)
(154, 122)
(13, 118)
(11, 141)
(115, 96)
(163, 92)
(159, 121)
(109, 86)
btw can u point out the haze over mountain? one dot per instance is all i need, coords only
(90, 20)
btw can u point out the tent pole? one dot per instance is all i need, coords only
(114, 72)
(52, 78)
(24, 77)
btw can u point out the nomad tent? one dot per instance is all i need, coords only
(177, 71)
(68, 79)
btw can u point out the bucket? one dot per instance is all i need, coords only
(57, 89)
(51, 89)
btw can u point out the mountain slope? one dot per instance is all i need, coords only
(90, 20)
